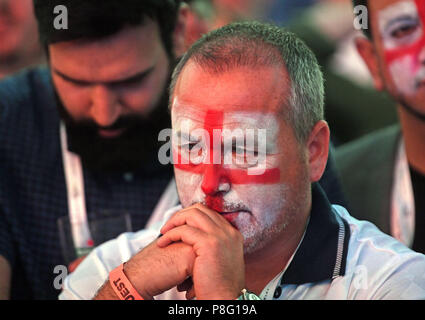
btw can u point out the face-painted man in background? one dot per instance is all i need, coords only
(394, 51)
(400, 47)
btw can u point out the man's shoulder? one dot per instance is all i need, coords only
(371, 149)
(379, 266)
(28, 113)
(25, 90)
(366, 169)
(23, 82)
(364, 235)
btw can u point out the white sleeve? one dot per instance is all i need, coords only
(92, 273)
(405, 282)
(380, 267)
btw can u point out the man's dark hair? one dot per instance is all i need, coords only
(360, 3)
(367, 32)
(255, 45)
(95, 19)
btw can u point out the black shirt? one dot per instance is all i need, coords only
(33, 189)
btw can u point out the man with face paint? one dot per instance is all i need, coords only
(81, 136)
(384, 173)
(249, 145)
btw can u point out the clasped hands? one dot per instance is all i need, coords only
(200, 252)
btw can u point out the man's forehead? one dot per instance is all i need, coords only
(382, 4)
(119, 56)
(386, 9)
(232, 117)
(262, 89)
(399, 8)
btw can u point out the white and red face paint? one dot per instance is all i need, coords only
(253, 202)
(401, 27)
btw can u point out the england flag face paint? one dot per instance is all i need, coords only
(241, 160)
(402, 37)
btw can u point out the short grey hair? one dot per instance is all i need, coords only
(256, 44)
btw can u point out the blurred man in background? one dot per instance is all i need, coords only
(81, 136)
(384, 173)
(19, 45)
(327, 27)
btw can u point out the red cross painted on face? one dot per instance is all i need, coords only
(214, 174)
(414, 48)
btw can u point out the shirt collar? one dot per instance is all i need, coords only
(322, 253)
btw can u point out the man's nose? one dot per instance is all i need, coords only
(105, 109)
(215, 180)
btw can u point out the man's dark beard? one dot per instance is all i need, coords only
(136, 148)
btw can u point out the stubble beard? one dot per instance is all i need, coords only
(275, 223)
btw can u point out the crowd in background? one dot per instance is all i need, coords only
(353, 107)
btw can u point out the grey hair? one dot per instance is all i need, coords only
(256, 44)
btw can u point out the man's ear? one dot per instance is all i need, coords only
(179, 40)
(367, 51)
(318, 150)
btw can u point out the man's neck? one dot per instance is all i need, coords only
(263, 266)
(414, 138)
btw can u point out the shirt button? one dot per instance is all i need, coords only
(277, 293)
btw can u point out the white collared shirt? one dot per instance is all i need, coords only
(377, 267)
(402, 200)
